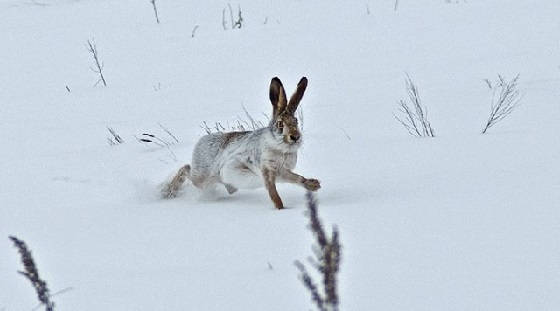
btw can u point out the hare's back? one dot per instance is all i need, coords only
(209, 148)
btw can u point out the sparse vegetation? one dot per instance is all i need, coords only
(505, 98)
(115, 138)
(326, 262)
(92, 48)
(235, 23)
(414, 115)
(248, 123)
(161, 142)
(193, 32)
(32, 274)
(155, 10)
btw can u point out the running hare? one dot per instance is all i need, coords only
(251, 159)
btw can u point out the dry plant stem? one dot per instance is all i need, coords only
(231, 16)
(326, 261)
(505, 98)
(92, 48)
(240, 125)
(234, 23)
(115, 138)
(239, 21)
(224, 19)
(155, 10)
(168, 132)
(194, 31)
(311, 286)
(415, 115)
(32, 274)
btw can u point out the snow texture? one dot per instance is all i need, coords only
(462, 221)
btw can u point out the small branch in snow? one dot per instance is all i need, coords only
(415, 115)
(92, 48)
(32, 274)
(224, 19)
(505, 98)
(147, 138)
(194, 31)
(231, 16)
(234, 23)
(155, 10)
(327, 251)
(240, 125)
(239, 21)
(114, 139)
(166, 130)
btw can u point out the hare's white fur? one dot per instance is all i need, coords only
(252, 159)
(239, 163)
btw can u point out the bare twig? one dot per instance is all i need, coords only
(57, 293)
(241, 124)
(234, 23)
(194, 31)
(239, 21)
(488, 83)
(415, 115)
(155, 10)
(326, 262)
(505, 98)
(224, 19)
(147, 138)
(254, 124)
(166, 130)
(115, 138)
(92, 48)
(231, 16)
(32, 274)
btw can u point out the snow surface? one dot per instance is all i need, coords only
(463, 221)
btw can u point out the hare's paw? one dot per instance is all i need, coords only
(230, 189)
(312, 184)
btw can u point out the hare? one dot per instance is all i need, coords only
(251, 159)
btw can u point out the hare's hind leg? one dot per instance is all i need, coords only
(170, 190)
(230, 189)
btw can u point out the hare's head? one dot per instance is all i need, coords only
(284, 122)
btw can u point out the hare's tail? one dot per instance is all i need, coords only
(171, 189)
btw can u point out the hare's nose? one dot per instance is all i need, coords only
(294, 137)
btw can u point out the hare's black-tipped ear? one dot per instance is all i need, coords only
(277, 96)
(298, 95)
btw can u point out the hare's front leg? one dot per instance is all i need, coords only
(270, 184)
(310, 184)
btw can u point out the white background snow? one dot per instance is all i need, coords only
(462, 221)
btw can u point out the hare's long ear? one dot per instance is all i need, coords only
(277, 97)
(298, 95)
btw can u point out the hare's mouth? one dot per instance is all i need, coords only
(292, 139)
(292, 142)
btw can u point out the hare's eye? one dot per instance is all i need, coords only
(280, 124)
